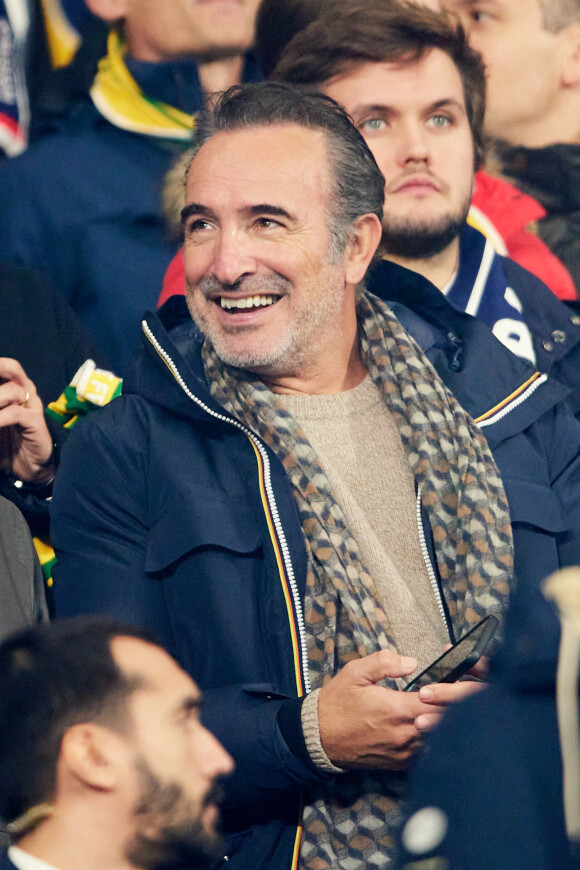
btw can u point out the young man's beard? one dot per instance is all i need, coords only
(179, 839)
(415, 240)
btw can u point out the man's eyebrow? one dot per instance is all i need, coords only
(191, 702)
(447, 101)
(467, 4)
(266, 208)
(195, 208)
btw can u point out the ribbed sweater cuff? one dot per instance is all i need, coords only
(311, 729)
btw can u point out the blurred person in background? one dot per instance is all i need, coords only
(82, 206)
(531, 50)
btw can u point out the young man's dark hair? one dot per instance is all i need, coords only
(384, 31)
(52, 677)
(358, 185)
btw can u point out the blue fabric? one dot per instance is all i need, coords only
(157, 518)
(480, 287)
(521, 311)
(494, 765)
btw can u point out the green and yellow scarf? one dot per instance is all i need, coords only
(121, 101)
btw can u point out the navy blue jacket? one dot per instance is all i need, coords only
(554, 326)
(168, 512)
(6, 863)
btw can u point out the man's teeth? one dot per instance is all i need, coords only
(247, 302)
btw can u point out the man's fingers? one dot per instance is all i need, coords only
(377, 666)
(11, 370)
(480, 668)
(12, 393)
(449, 693)
(427, 721)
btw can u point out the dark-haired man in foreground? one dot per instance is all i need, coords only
(291, 497)
(104, 763)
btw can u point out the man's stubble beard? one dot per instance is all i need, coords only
(298, 345)
(179, 839)
(416, 239)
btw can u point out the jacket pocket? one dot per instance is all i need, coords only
(534, 504)
(207, 522)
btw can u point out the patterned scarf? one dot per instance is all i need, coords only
(463, 494)
(121, 101)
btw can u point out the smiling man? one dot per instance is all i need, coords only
(103, 760)
(291, 497)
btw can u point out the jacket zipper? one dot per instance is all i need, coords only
(430, 568)
(267, 486)
(490, 418)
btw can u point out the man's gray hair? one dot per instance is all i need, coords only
(358, 186)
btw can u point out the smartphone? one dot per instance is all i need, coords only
(462, 656)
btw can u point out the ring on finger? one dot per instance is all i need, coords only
(26, 398)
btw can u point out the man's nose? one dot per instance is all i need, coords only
(217, 760)
(412, 144)
(233, 257)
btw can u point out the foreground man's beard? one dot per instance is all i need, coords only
(413, 240)
(179, 838)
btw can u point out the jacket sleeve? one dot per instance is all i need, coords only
(561, 436)
(541, 474)
(99, 531)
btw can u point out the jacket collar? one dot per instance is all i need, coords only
(455, 343)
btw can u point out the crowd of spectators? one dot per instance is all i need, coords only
(290, 379)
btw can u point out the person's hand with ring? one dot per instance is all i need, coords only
(26, 448)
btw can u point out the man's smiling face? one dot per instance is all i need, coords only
(260, 277)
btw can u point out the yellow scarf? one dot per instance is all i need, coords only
(121, 101)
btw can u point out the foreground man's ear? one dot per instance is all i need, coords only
(365, 237)
(90, 754)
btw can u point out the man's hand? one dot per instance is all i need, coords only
(25, 442)
(438, 696)
(366, 725)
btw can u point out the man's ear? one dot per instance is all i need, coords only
(569, 55)
(108, 10)
(366, 234)
(92, 755)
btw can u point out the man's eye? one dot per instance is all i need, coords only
(478, 16)
(195, 225)
(267, 223)
(440, 121)
(372, 125)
